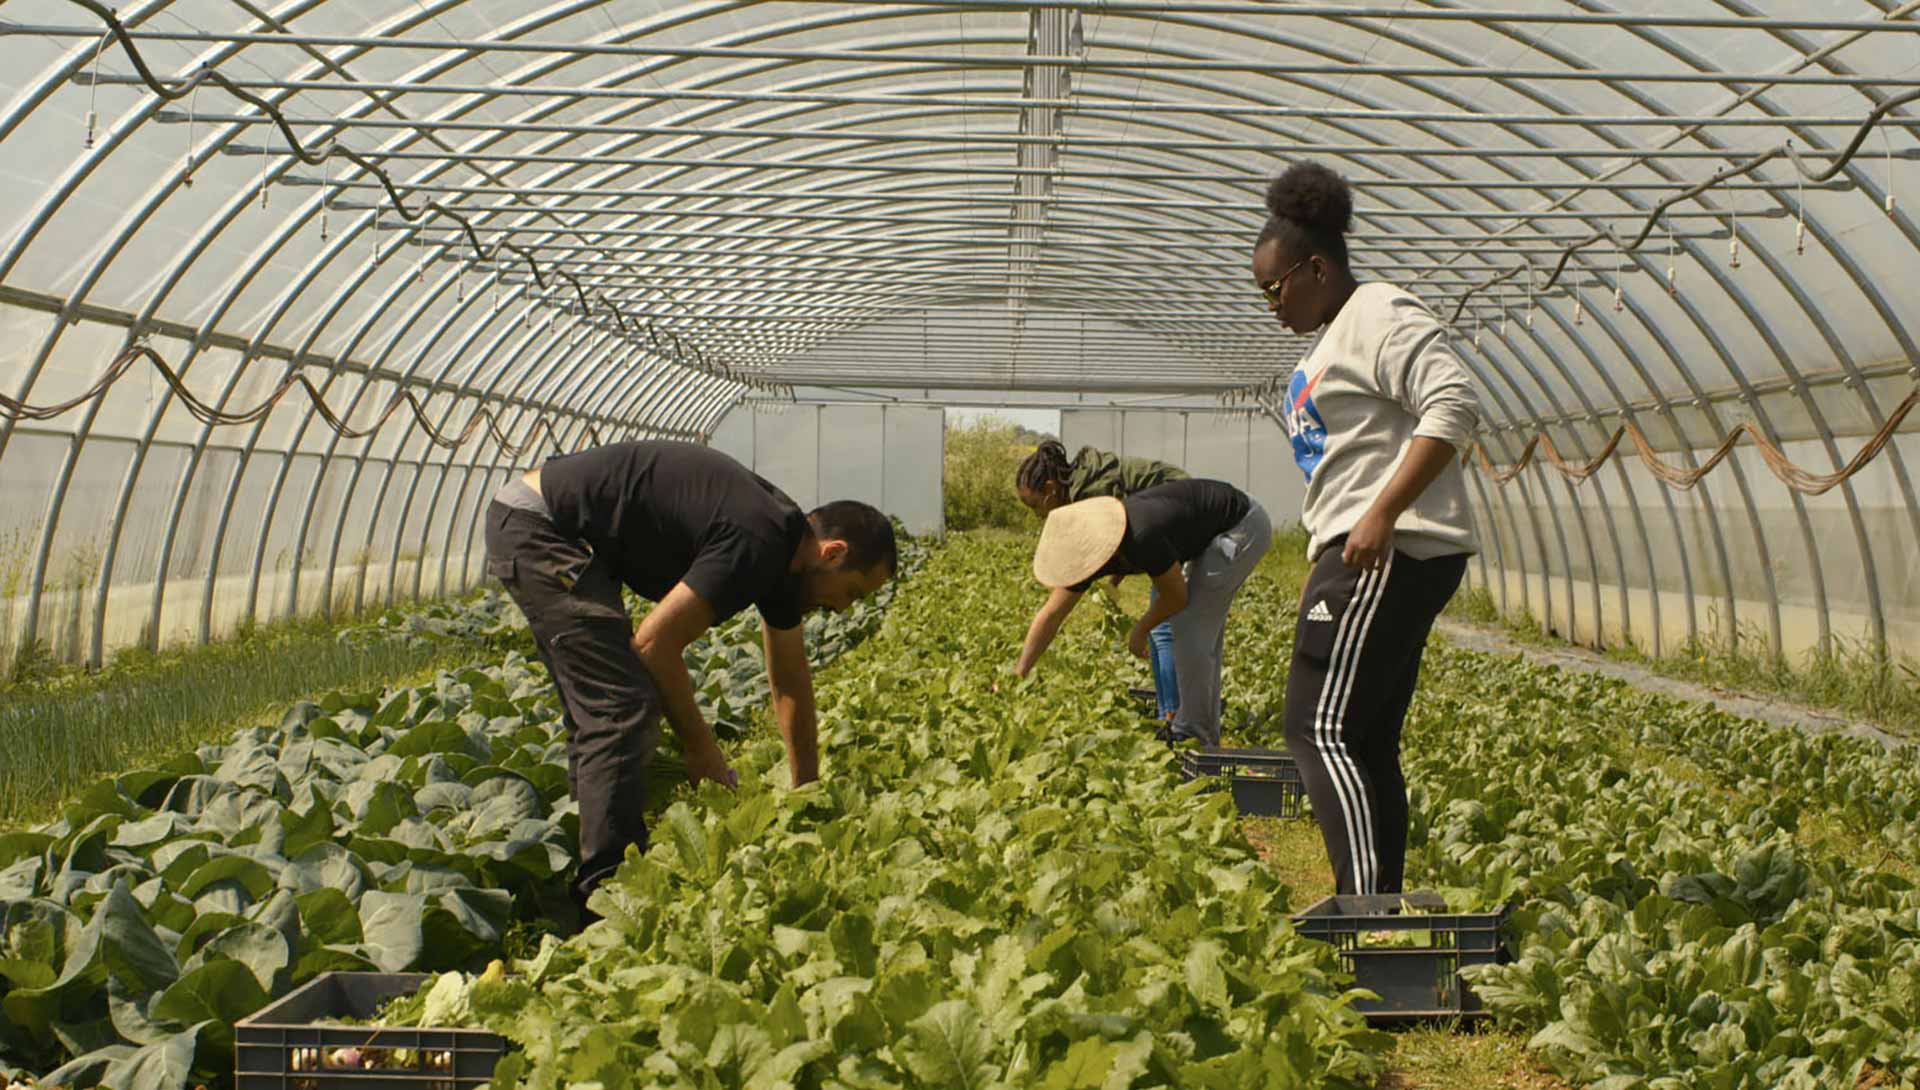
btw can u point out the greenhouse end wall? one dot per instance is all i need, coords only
(891, 456)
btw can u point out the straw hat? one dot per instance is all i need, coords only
(1078, 540)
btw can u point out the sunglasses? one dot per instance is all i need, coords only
(1274, 289)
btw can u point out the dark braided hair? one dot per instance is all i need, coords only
(1310, 210)
(1048, 463)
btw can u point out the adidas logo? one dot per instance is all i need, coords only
(1320, 612)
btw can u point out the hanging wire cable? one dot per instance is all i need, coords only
(687, 356)
(212, 416)
(1268, 396)
(1795, 478)
(93, 96)
(1727, 173)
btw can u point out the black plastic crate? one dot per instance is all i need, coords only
(288, 1045)
(1413, 982)
(1266, 782)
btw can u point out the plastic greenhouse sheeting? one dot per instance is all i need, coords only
(316, 277)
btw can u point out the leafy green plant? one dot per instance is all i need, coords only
(65, 728)
(1677, 932)
(1705, 902)
(995, 884)
(365, 831)
(420, 827)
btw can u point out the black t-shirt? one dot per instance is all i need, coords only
(1171, 524)
(667, 513)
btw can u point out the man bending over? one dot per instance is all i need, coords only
(698, 533)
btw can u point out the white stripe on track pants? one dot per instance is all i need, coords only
(1356, 657)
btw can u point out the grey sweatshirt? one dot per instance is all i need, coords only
(1381, 374)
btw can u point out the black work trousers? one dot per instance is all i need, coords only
(1356, 657)
(572, 602)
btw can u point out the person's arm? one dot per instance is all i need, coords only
(661, 641)
(1172, 585)
(791, 680)
(1418, 369)
(1371, 538)
(1046, 624)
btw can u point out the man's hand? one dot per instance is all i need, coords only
(790, 685)
(709, 763)
(1139, 642)
(1369, 542)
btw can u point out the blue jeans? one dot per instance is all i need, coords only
(1166, 684)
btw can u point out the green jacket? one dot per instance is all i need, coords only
(1100, 473)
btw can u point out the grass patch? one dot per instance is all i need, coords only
(1477, 605)
(1295, 851)
(1826, 833)
(33, 671)
(1850, 680)
(1445, 1058)
(62, 733)
(1678, 766)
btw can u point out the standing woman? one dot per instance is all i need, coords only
(1047, 480)
(1377, 411)
(1198, 540)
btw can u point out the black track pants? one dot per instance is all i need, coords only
(572, 602)
(1356, 657)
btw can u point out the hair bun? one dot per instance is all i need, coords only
(1314, 196)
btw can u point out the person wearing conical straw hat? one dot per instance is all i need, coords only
(1048, 479)
(1198, 540)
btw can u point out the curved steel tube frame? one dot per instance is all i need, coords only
(848, 250)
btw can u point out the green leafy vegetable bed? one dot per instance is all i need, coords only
(995, 884)
(1003, 888)
(397, 830)
(1686, 925)
(1707, 903)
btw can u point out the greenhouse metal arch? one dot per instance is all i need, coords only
(648, 220)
